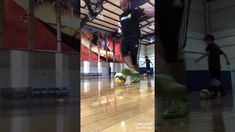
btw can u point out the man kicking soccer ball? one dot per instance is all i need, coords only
(130, 45)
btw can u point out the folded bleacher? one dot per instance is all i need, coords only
(34, 93)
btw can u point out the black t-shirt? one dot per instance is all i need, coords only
(147, 61)
(214, 56)
(130, 23)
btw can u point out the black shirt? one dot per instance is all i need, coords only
(147, 61)
(214, 56)
(130, 23)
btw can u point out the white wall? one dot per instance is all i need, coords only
(74, 72)
(222, 25)
(41, 70)
(147, 51)
(196, 32)
(101, 67)
(142, 55)
(5, 74)
(96, 67)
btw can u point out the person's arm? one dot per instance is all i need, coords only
(144, 62)
(151, 63)
(149, 12)
(203, 56)
(141, 13)
(226, 57)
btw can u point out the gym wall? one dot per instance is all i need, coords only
(42, 66)
(142, 54)
(5, 78)
(221, 25)
(146, 50)
(38, 70)
(195, 46)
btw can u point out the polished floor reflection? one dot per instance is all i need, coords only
(39, 116)
(107, 107)
(217, 115)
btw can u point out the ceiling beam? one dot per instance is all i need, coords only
(98, 28)
(108, 17)
(103, 26)
(147, 24)
(112, 4)
(147, 35)
(151, 3)
(105, 21)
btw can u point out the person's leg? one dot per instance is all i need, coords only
(178, 70)
(134, 53)
(148, 71)
(167, 86)
(214, 87)
(136, 67)
(221, 89)
(127, 58)
(171, 89)
(217, 84)
(160, 59)
(171, 79)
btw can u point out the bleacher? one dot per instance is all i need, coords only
(34, 93)
(90, 75)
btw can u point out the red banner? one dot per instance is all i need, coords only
(90, 50)
(15, 32)
(16, 27)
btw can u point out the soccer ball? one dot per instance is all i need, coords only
(120, 78)
(205, 94)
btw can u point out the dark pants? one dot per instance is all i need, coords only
(148, 71)
(130, 47)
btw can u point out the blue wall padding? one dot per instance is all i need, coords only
(144, 70)
(197, 80)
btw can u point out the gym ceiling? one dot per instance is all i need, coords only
(109, 22)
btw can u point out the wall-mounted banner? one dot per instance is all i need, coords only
(16, 25)
(97, 45)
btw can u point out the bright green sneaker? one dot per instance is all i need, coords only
(133, 73)
(127, 72)
(136, 79)
(166, 86)
(177, 110)
(130, 72)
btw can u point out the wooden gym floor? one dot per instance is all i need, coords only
(127, 109)
(109, 108)
(39, 116)
(217, 115)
